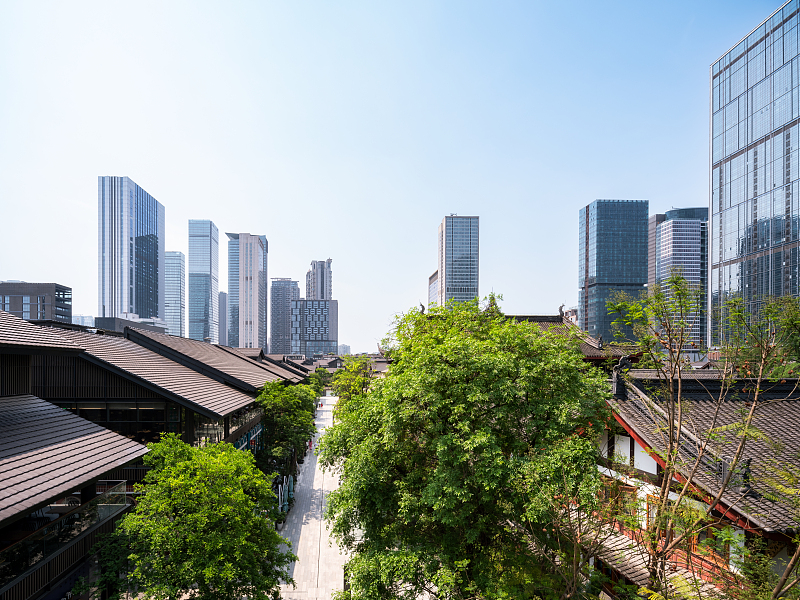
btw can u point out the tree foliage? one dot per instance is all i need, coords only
(202, 528)
(319, 380)
(436, 459)
(288, 422)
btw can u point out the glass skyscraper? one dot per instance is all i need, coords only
(130, 250)
(315, 327)
(319, 280)
(755, 215)
(175, 303)
(459, 259)
(282, 292)
(203, 281)
(612, 243)
(247, 291)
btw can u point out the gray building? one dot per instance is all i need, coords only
(37, 301)
(223, 319)
(282, 292)
(344, 349)
(119, 324)
(247, 290)
(612, 256)
(755, 181)
(319, 284)
(681, 244)
(433, 289)
(457, 277)
(315, 327)
(130, 257)
(83, 320)
(203, 281)
(175, 285)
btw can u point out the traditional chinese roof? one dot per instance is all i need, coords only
(642, 409)
(592, 348)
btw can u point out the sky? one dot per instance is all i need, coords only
(348, 130)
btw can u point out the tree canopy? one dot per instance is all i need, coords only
(202, 528)
(437, 488)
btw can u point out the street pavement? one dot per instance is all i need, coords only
(319, 568)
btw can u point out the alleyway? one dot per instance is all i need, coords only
(318, 572)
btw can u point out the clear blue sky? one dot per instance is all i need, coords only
(349, 129)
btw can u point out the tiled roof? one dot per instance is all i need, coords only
(686, 374)
(209, 359)
(591, 347)
(188, 387)
(281, 370)
(776, 418)
(47, 452)
(18, 335)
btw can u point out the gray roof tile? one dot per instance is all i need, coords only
(20, 335)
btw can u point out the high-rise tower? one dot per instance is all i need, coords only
(175, 302)
(130, 261)
(318, 280)
(612, 243)
(282, 292)
(755, 182)
(203, 281)
(247, 290)
(459, 260)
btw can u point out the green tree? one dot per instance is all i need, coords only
(288, 422)
(353, 379)
(435, 458)
(202, 528)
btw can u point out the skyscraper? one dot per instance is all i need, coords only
(130, 246)
(282, 292)
(315, 327)
(433, 289)
(223, 319)
(318, 280)
(612, 256)
(247, 290)
(457, 275)
(681, 242)
(755, 181)
(203, 281)
(175, 286)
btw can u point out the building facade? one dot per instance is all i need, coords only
(83, 320)
(681, 245)
(459, 254)
(203, 281)
(315, 327)
(37, 301)
(247, 290)
(612, 257)
(223, 319)
(755, 137)
(130, 245)
(319, 285)
(344, 349)
(433, 289)
(282, 292)
(175, 301)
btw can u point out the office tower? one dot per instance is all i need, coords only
(223, 319)
(315, 327)
(433, 289)
(247, 290)
(175, 286)
(130, 250)
(37, 301)
(344, 349)
(282, 292)
(612, 243)
(318, 280)
(457, 276)
(681, 244)
(755, 187)
(203, 281)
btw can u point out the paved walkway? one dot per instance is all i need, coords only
(318, 571)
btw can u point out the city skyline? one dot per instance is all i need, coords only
(454, 125)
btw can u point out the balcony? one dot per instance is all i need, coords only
(55, 538)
